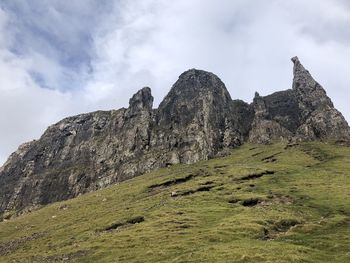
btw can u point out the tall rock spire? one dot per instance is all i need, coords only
(309, 91)
(141, 101)
(319, 118)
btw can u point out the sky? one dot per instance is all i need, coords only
(61, 58)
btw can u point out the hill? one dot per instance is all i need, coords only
(262, 203)
(196, 121)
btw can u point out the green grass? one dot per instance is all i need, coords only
(301, 213)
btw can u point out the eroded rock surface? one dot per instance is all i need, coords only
(302, 113)
(197, 120)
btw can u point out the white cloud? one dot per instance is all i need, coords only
(247, 43)
(26, 108)
(96, 54)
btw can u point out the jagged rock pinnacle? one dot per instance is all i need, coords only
(302, 78)
(319, 118)
(295, 59)
(309, 91)
(141, 101)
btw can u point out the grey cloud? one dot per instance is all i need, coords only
(58, 33)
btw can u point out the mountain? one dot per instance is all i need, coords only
(196, 121)
(280, 203)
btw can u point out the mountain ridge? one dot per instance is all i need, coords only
(262, 203)
(196, 121)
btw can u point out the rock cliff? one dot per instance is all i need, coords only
(197, 120)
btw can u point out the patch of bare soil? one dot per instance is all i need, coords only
(12, 245)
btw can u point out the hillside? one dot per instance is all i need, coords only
(262, 203)
(197, 120)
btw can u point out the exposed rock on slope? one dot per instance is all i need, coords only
(197, 120)
(318, 117)
(303, 113)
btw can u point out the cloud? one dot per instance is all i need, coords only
(247, 43)
(59, 58)
(26, 108)
(57, 36)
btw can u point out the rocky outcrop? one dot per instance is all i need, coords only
(318, 117)
(197, 120)
(302, 113)
(271, 118)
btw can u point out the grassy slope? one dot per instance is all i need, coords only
(302, 215)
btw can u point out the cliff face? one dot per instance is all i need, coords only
(303, 113)
(197, 120)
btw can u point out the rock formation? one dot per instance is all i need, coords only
(303, 113)
(197, 120)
